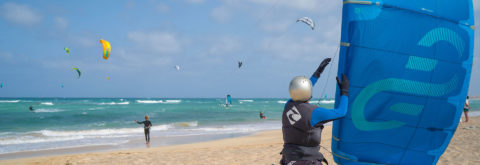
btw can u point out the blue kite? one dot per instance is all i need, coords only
(409, 64)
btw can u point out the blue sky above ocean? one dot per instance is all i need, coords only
(205, 38)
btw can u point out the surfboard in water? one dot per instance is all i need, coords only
(409, 65)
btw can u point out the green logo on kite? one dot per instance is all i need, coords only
(407, 86)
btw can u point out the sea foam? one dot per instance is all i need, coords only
(115, 103)
(46, 103)
(149, 101)
(44, 110)
(9, 101)
(159, 101)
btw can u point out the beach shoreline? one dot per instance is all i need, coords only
(259, 148)
(133, 143)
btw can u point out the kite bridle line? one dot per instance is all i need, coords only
(337, 52)
(328, 74)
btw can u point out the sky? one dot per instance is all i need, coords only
(205, 38)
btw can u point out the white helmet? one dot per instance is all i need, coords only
(300, 88)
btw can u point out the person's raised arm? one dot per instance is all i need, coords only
(322, 115)
(319, 71)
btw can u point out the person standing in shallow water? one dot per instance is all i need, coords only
(146, 126)
(466, 108)
(302, 123)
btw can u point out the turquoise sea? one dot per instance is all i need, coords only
(75, 122)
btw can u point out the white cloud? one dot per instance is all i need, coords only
(84, 40)
(221, 14)
(20, 14)
(157, 42)
(279, 15)
(303, 48)
(137, 58)
(162, 8)
(225, 11)
(297, 4)
(276, 25)
(61, 22)
(224, 45)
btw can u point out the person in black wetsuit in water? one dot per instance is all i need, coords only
(262, 116)
(147, 126)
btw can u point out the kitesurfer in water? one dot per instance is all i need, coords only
(466, 108)
(262, 116)
(31, 108)
(302, 123)
(147, 125)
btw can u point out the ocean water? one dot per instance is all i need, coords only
(74, 122)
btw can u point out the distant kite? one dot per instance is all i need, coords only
(78, 72)
(177, 67)
(108, 78)
(106, 49)
(307, 21)
(240, 63)
(67, 50)
(1, 85)
(61, 85)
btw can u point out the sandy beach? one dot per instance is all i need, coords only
(464, 148)
(260, 148)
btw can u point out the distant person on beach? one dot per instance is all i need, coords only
(302, 123)
(146, 127)
(466, 108)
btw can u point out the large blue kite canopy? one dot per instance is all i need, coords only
(409, 65)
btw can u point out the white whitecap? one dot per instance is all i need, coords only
(172, 101)
(95, 108)
(42, 110)
(114, 103)
(149, 101)
(9, 101)
(46, 103)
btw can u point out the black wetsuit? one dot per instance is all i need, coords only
(147, 125)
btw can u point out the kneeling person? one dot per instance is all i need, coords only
(302, 123)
